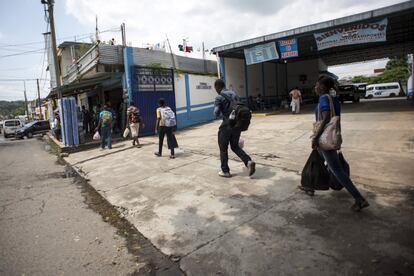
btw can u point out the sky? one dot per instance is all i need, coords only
(214, 22)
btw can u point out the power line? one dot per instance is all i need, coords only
(22, 79)
(77, 36)
(23, 53)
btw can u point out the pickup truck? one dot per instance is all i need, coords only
(351, 92)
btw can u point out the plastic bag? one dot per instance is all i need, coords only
(96, 136)
(315, 175)
(334, 183)
(126, 132)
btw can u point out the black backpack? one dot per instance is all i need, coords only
(242, 113)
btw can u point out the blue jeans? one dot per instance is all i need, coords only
(331, 157)
(106, 136)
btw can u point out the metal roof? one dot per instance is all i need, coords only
(400, 37)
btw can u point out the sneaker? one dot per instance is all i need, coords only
(172, 157)
(359, 205)
(251, 165)
(157, 154)
(224, 174)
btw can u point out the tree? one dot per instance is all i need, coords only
(395, 70)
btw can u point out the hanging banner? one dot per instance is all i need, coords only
(261, 53)
(288, 48)
(353, 34)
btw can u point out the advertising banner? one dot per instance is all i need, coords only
(288, 48)
(261, 53)
(353, 34)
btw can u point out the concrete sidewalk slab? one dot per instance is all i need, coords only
(264, 225)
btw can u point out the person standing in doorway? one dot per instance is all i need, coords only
(165, 125)
(227, 135)
(105, 125)
(296, 100)
(326, 102)
(86, 117)
(134, 122)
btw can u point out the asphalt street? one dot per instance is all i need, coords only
(52, 223)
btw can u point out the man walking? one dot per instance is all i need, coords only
(296, 98)
(105, 124)
(134, 121)
(227, 135)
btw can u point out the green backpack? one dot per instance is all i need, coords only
(106, 118)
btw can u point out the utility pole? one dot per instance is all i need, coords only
(171, 52)
(204, 60)
(40, 103)
(50, 4)
(123, 35)
(25, 100)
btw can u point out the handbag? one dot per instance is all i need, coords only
(126, 132)
(331, 138)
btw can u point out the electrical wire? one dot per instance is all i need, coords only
(85, 35)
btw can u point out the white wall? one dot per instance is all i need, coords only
(270, 79)
(310, 68)
(180, 99)
(199, 94)
(255, 82)
(234, 74)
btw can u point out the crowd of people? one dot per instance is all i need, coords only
(228, 107)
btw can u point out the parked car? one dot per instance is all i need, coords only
(32, 128)
(351, 92)
(1, 127)
(10, 127)
(391, 89)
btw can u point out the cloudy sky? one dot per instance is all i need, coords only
(216, 22)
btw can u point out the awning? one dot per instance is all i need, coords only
(88, 84)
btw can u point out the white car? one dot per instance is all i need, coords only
(391, 89)
(10, 127)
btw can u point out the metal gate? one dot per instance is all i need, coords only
(148, 86)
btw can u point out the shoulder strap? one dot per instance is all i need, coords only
(331, 106)
(226, 97)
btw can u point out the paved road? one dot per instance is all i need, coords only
(53, 224)
(264, 225)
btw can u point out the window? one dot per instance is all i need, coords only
(370, 88)
(9, 123)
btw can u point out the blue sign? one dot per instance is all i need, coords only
(288, 48)
(261, 53)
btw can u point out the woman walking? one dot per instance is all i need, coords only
(165, 125)
(323, 115)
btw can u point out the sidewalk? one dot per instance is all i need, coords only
(263, 225)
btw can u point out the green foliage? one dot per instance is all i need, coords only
(156, 66)
(395, 70)
(11, 109)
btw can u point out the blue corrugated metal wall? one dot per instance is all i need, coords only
(148, 86)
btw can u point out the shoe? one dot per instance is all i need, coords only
(224, 174)
(172, 157)
(139, 145)
(359, 205)
(251, 165)
(157, 154)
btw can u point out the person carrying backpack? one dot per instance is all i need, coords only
(105, 125)
(165, 125)
(236, 118)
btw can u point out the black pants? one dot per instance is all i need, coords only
(227, 136)
(162, 131)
